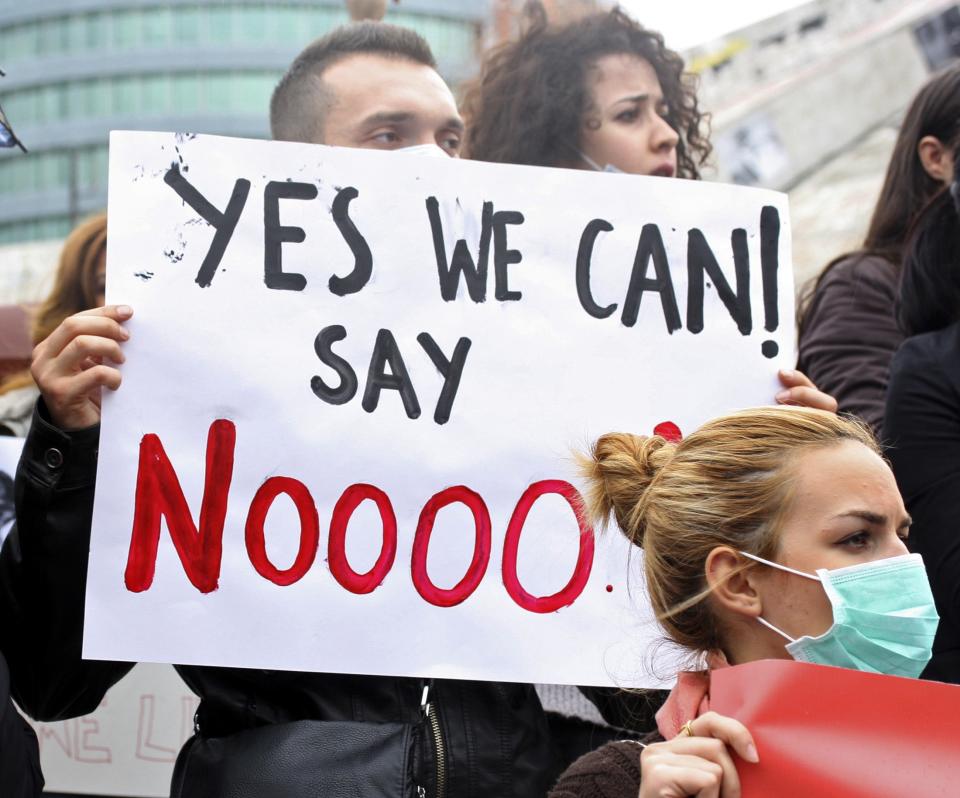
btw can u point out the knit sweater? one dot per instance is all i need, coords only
(612, 771)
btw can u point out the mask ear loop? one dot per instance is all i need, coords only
(787, 568)
(773, 628)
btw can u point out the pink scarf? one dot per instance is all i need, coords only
(689, 699)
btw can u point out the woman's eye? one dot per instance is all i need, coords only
(451, 143)
(627, 116)
(859, 540)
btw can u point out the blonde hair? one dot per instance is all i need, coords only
(74, 288)
(727, 484)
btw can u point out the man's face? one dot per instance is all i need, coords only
(383, 103)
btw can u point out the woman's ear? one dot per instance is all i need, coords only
(936, 159)
(732, 582)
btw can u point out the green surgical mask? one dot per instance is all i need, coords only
(884, 617)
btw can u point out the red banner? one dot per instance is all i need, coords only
(824, 731)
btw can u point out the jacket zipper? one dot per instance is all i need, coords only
(433, 722)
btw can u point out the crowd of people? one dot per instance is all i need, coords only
(748, 525)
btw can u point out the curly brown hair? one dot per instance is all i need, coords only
(529, 102)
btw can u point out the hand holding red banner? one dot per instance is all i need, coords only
(823, 731)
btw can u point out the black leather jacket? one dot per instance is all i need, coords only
(258, 733)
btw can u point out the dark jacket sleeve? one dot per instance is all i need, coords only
(850, 334)
(20, 774)
(612, 771)
(43, 572)
(922, 430)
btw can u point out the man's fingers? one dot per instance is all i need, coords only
(85, 348)
(86, 381)
(103, 321)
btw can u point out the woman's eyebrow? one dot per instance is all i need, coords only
(864, 515)
(636, 98)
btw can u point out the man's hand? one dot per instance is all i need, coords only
(71, 365)
(800, 391)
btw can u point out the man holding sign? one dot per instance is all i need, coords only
(430, 361)
(371, 86)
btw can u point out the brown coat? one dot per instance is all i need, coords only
(850, 334)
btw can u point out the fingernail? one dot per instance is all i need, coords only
(788, 373)
(783, 396)
(124, 310)
(752, 755)
(124, 333)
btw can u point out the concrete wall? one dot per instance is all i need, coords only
(779, 131)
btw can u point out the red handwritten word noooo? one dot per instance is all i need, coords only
(200, 546)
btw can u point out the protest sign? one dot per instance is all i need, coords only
(821, 730)
(354, 384)
(129, 745)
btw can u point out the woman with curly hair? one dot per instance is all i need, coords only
(599, 93)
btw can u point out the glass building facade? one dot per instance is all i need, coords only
(77, 69)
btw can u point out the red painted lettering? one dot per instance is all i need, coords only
(511, 545)
(348, 502)
(158, 493)
(481, 550)
(309, 530)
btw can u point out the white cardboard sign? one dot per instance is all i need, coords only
(354, 384)
(129, 745)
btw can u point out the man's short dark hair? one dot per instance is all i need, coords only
(300, 101)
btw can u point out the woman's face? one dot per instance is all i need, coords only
(626, 126)
(846, 509)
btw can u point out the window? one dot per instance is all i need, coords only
(125, 95)
(157, 26)
(125, 29)
(155, 97)
(186, 26)
(186, 94)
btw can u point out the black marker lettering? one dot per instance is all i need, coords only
(322, 345)
(385, 352)
(224, 223)
(650, 248)
(275, 234)
(584, 256)
(700, 261)
(363, 259)
(475, 275)
(451, 370)
(502, 256)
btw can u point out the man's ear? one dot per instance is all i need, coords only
(732, 581)
(936, 159)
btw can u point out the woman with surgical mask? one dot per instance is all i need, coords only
(770, 533)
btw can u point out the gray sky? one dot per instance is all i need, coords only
(685, 23)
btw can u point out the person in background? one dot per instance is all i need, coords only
(922, 421)
(79, 285)
(762, 532)
(847, 326)
(602, 93)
